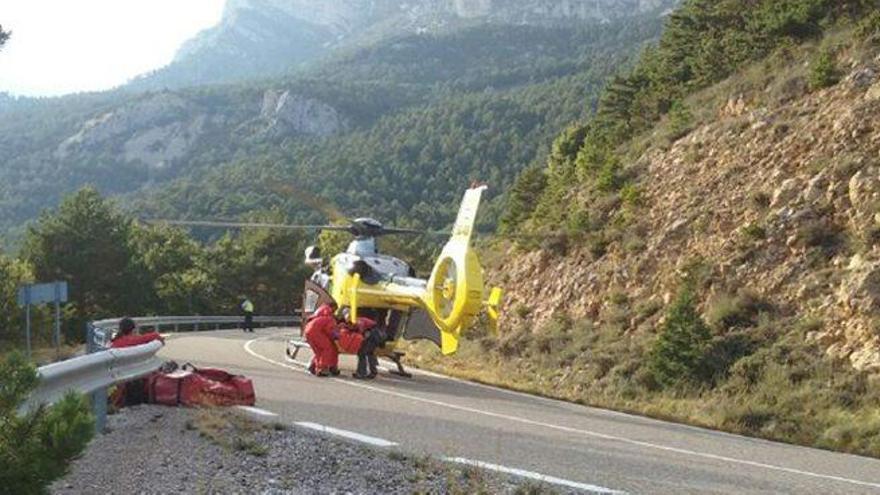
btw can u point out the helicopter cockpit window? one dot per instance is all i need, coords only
(367, 273)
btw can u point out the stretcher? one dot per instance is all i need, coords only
(396, 357)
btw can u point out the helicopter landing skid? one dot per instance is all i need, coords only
(396, 358)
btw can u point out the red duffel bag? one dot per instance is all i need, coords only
(191, 386)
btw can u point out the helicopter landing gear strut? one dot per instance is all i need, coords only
(396, 357)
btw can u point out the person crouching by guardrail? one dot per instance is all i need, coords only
(128, 337)
(320, 331)
(130, 393)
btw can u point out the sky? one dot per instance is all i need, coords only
(66, 46)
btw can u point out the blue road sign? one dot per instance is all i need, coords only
(55, 292)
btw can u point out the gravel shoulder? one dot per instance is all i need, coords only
(157, 450)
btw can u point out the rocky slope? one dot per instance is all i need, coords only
(776, 192)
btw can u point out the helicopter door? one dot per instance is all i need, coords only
(314, 296)
(420, 327)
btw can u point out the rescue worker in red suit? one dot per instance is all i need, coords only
(320, 332)
(130, 393)
(126, 337)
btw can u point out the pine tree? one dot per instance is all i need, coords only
(677, 354)
(36, 447)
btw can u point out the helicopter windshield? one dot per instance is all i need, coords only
(364, 246)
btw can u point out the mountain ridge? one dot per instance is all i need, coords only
(258, 38)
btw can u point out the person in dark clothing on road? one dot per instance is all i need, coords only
(362, 338)
(247, 307)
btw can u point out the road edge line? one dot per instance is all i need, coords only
(351, 435)
(522, 473)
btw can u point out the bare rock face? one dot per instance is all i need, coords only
(860, 291)
(158, 146)
(288, 113)
(154, 130)
(864, 196)
(786, 193)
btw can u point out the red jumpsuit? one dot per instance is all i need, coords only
(130, 393)
(132, 339)
(319, 334)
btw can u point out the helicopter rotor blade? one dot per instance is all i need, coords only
(396, 231)
(245, 225)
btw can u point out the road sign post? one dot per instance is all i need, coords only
(28, 295)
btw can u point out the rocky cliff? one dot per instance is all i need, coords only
(776, 193)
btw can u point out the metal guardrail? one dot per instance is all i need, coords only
(92, 372)
(102, 367)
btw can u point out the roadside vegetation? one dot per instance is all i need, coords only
(37, 446)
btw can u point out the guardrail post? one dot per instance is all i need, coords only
(99, 397)
(99, 408)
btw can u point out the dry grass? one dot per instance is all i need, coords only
(785, 389)
(230, 429)
(43, 354)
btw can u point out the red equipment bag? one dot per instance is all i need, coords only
(191, 386)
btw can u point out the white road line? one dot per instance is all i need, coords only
(568, 429)
(351, 435)
(534, 476)
(258, 411)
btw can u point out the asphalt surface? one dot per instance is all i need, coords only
(571, 445)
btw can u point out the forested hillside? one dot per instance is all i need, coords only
(420, 114)
(706, 246)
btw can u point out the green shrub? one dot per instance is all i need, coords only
(868, 29)
(760, 200)
(35, 448)
(820, 234)
(609, 178)
(597, 244)
(676, 357)
(725, 311)
(754, 232)
(631, 195)
(823, 71)
(681, 121)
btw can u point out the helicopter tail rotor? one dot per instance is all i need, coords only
(455, 289)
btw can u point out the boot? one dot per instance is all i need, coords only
(323, 373)
(374, 365)
(311, 367)
(361, 372)
(334, 371)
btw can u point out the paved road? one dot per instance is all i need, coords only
(584, 447)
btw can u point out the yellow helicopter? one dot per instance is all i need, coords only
(364, 282)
